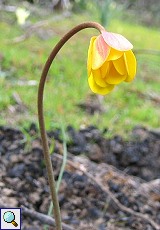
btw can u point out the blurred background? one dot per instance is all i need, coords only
(29, 31)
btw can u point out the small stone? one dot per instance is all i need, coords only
(34, 197)
(17, 170)
(9, 201)
(94, 213)
(7, 191)
(95, 153)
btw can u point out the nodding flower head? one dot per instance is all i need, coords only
(110, 62)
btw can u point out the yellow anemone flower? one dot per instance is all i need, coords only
(110, 62)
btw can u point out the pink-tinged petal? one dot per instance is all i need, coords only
(131, 64)
(97, 89)
(116, 41)
(98, 78)
(100, 52)
(114, 54)
(113, 76)
(90, 54)
(120, 66)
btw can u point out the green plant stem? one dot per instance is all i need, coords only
(62, 167)
(61, 171)
(45, 146)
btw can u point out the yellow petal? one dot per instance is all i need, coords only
(120, 66)
(98, 78)
(131, 64)
(113, 77)
(97, 89)
(90, 54)
(104, 69)
(100, 52)
(114, 54)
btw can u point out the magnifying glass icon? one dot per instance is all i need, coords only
(9, 217)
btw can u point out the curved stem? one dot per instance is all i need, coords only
(41, 115)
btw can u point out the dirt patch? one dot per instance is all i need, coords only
(102, 170)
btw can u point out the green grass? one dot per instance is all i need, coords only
(67, 82)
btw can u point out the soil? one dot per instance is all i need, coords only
(104, 169)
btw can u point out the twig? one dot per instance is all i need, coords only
(150, 95)
(124, 208)
(111, 195)
(44, 219)
(8, 8)
(31, 30)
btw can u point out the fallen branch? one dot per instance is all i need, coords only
(124, 208)
(8, 8)
(111, 195)
(44, 219)
(150, 95)
(31, 30)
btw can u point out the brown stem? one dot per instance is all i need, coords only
(41, 115)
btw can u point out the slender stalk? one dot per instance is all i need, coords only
(61, 170)
(45, 146)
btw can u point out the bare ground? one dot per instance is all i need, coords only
(107, 183)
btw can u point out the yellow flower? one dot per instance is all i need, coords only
(110, 62)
